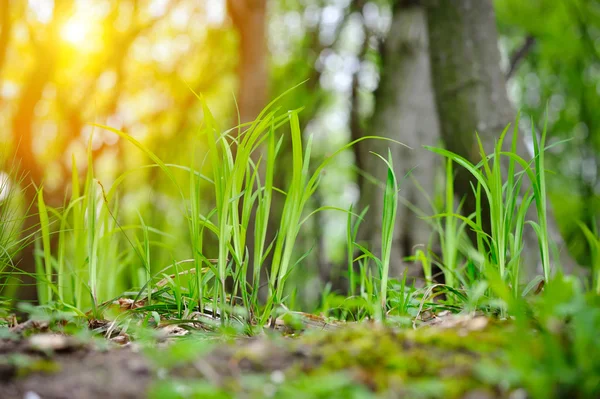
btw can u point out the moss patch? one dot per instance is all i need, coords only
(445, 361)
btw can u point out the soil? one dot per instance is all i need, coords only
(375, 360)
(82, 373)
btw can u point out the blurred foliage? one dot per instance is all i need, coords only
(124, 63)
(128, 64)
(560, 74)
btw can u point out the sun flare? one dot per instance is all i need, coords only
(76, 31)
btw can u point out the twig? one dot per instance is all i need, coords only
(519, 55)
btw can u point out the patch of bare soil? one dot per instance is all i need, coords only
(71, 372)
(50, 365)
(55, 366)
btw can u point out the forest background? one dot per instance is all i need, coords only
(407, 70)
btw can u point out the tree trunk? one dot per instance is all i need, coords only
(404, 111)
(471, 95)
(249, 18)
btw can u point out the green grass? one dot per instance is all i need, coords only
(86, 254)
(594, 243)
(499, 180)
(90, 253)
(14, 234)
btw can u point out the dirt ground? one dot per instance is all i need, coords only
(379, 360)
(80, 371)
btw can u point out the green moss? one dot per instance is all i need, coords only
(443, 360)
(40, 366)
(23, 365)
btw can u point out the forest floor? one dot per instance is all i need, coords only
(447, 356)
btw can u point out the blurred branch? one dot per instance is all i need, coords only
(356, 130)
(518, 56)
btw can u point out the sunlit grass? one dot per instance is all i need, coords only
(15, 233)
(88, 265)
(86, 258)
(95, 263)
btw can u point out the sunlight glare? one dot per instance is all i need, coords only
(42, 10)
(76, 31)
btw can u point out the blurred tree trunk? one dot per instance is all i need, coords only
(249, 18)
(471, 95)
(404, 111)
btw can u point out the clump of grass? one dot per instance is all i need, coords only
(498, 186)
(94, 254)
(231, 171)
(14, 235)
(79, 256)
(390, 207)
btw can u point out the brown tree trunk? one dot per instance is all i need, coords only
(405, 111)
(471, 95)
(249, 18)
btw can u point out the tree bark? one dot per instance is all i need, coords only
(471, 96)
(249, 18)
(404, 111)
